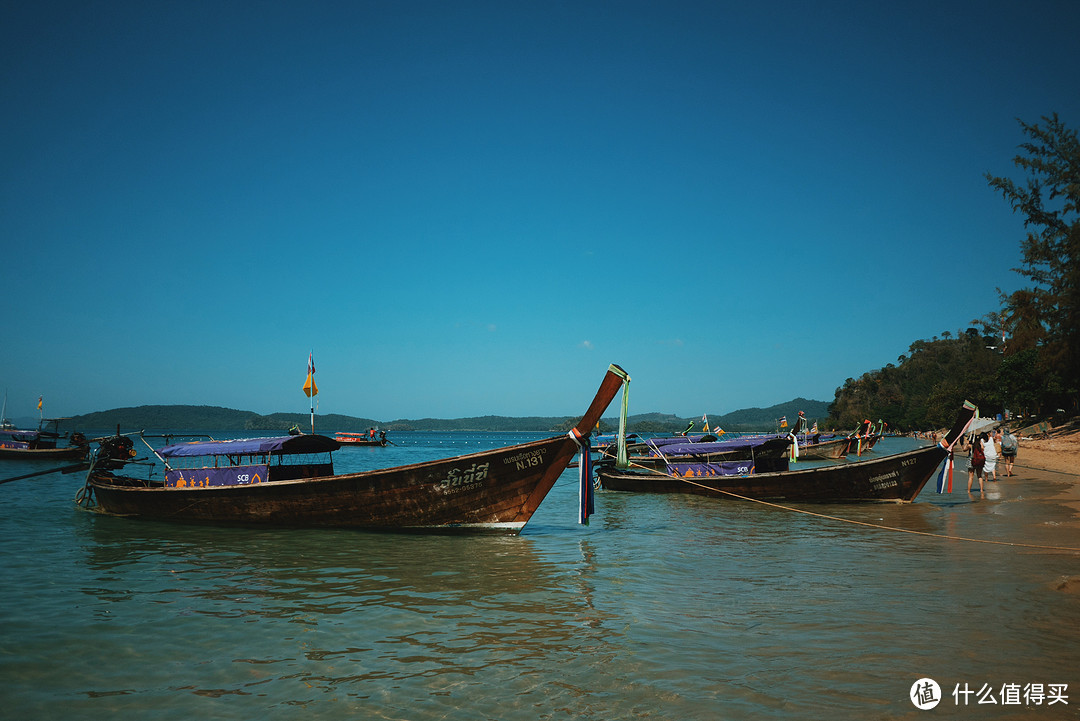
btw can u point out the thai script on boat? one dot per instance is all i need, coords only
(457, 478)
(528, 459)
(885, 480)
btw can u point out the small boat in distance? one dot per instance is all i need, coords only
(346, 438)
(290, 481)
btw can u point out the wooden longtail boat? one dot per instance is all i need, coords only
(823, 447)
(360, 439)
(863, 439)
(897, 478)
(42, 445)
(767, 452)
(278, 482)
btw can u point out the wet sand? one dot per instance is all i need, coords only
(1046, 470)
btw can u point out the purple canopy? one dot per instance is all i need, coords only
(16, 435)
(252, 446)
(689, 449)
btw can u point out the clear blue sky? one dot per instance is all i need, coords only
(469, 208)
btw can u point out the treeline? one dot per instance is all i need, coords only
(928, 386)
(214, 418)
(1024, 357)
(181, 418)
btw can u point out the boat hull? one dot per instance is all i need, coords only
(45, 454)
(495, 491)
(825, 450)
(895, 478)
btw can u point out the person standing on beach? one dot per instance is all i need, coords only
(976, 460)
(990, 451)
(1009, 446)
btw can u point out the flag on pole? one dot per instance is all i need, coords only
(309, 385)
(814, 429)
(39, 398)
(783, 422)
(705, 421)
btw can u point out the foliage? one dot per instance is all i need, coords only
(1047, 317)
(928, 387)
(196, 418)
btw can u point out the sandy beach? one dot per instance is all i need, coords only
(1061, 454)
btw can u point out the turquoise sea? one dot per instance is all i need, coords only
(676, 607)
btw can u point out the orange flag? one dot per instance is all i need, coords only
(309, 385)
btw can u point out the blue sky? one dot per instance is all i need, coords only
(473, 208)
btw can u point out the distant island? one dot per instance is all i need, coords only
(183, 418)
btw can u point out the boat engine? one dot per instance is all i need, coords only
(114, 452)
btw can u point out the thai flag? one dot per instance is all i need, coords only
(310, 364)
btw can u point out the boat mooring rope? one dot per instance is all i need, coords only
(861, 523)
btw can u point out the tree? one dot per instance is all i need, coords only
(1022, 317)
(1020, 382)
(1050, 204)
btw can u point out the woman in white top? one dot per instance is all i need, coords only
(990, 451)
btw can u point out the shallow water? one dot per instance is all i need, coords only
(664, 607)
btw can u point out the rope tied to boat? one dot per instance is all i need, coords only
(858, 523)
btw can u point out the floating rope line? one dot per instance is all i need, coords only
(862, 523)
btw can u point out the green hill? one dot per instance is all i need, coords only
(213, 418)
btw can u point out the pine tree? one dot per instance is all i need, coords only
(1050, 203)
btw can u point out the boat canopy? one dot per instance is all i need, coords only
(690, 449)
(252, 446)
(18, 435)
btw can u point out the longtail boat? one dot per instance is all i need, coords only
(823, 447)
(289, 481)
(346, 438)
(42, 444)
(863, 439)
(897, 478)
(766, 453)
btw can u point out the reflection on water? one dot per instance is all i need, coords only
(352, 615)
(664, 607)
